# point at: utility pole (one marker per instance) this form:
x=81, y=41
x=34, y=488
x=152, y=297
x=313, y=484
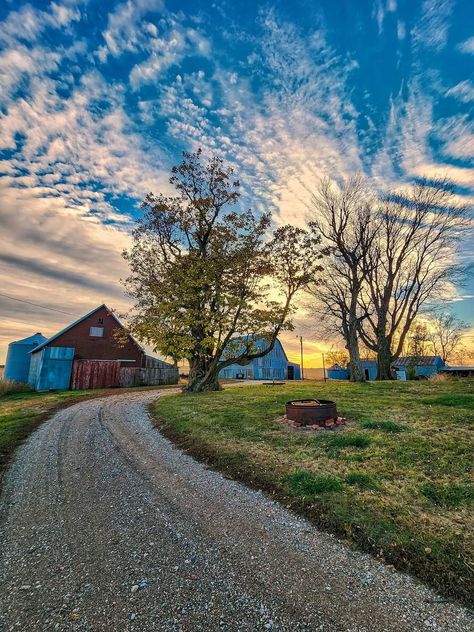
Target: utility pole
x=324, y=368
x=301, y=356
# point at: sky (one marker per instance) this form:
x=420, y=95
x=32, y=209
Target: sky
x=99, y=99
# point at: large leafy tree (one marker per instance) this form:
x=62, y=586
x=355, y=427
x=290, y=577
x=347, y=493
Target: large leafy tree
x=206, y=279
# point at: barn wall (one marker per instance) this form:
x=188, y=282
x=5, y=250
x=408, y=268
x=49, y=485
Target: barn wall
x=337, y=374
x=100, y=348
x=426, y=371
x=274, y=365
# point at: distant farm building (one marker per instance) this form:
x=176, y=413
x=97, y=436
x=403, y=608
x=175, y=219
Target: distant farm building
x=420, y=366
x=272, y=366
x=403, y=368
x=17, y=365
x=95, y=352
x=458, y=371
x=337, y=372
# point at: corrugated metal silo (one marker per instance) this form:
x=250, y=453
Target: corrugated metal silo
x=17, y=365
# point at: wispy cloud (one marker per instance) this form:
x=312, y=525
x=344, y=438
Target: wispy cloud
x=431, y=31
x=464, y=91
x=467, y=46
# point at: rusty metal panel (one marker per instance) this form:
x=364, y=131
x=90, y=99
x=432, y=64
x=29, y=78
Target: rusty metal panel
x=91, y=374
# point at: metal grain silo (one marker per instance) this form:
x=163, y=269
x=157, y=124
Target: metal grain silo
x=17, y=365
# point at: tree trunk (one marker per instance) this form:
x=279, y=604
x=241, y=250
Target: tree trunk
x=384, y=359
x=203, y=376
x=356, y=372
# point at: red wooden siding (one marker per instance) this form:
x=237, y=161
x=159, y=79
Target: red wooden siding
x=87, y=374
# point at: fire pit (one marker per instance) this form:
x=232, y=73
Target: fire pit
x=308, y=412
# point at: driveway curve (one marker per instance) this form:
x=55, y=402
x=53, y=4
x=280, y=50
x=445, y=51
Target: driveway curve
x=105, y=525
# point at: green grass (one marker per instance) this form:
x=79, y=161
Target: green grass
x=449, y=495
x=384, y=426
x=21, y=412
x=455, y=400
x=305, y=484
x=364, y=481
x=397, y=481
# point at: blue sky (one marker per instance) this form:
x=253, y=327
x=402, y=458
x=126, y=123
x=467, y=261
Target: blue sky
x=98, y=99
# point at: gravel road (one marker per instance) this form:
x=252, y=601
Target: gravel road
x=106, y=526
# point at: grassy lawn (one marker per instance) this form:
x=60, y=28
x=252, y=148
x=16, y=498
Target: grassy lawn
x=21, y=413
x=397, y=481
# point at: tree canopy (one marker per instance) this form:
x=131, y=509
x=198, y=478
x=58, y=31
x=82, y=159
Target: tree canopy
x=207, y=278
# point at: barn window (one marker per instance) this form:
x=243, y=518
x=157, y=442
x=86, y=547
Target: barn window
x=100, y=321
x=98, y=332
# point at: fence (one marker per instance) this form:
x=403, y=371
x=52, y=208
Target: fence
x=90, y=374
x=151, y=376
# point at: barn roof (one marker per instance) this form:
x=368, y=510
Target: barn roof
x=417, y=360
x=257, y=339
x=76, y=322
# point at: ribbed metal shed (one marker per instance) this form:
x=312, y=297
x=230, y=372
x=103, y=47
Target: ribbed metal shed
x=17, y=365
x=51, y=368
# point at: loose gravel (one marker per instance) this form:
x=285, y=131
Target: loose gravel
x=105, y=525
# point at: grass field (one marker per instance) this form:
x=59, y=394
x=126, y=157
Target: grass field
x=397, y=481
x=21, y=413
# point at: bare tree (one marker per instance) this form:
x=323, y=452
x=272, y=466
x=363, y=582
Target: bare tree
x=409, y=263
x=344, y=217
x=445, y=335
x=417, y=340
x=337, y=356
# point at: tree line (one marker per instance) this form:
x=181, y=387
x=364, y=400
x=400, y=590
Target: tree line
x=209, y=278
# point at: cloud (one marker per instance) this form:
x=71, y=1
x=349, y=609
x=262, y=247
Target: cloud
x=124, y=32
x=380, y=9
x=467, y=46
x=457, y=134
x=71, y=277
x=460, y=176
x=431, y=31
x=167, y=51
x=463, y=91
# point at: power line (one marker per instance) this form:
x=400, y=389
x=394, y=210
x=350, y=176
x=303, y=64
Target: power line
x=51, y=309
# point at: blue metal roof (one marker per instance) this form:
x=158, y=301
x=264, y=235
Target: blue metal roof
x=35, y=339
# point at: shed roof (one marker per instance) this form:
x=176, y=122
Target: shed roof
x=417, y=360
x=35, y=339
x=368, y=363
x=467, y=367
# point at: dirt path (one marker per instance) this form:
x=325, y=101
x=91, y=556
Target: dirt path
x=106, y=526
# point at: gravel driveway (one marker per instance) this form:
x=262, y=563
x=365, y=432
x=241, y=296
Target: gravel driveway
x=106, y=526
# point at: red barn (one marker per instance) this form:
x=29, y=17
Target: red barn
x=104, y=355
